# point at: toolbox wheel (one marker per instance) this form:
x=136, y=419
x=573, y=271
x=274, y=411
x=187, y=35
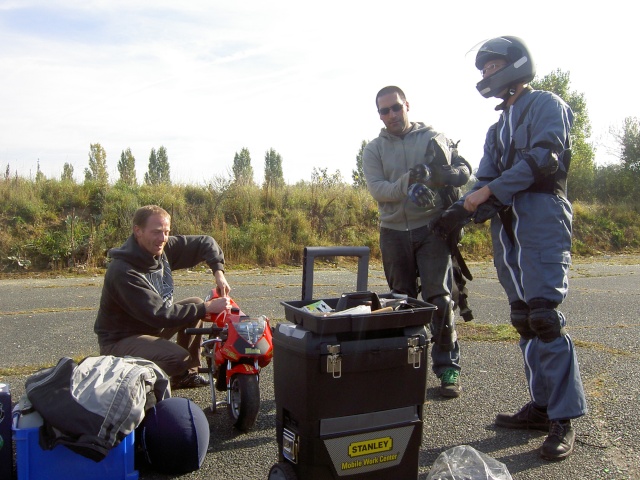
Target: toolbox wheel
x=282, y=471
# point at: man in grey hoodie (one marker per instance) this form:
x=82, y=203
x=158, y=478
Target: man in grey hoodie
x=138, y=316
x=409, y=168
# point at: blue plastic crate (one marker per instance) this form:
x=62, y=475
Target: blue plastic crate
x=63, y=464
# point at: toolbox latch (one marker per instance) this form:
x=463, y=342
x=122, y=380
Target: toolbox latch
x=415, y=351
x=334, y=361
x=290, y=445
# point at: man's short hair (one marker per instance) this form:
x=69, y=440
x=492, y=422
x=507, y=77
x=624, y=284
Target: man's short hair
x=143, y=213
x=388, y=90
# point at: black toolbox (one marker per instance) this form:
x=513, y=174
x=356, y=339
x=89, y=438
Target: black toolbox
x=349, y=391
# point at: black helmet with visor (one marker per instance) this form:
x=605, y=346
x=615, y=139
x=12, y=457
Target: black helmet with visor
x=519, y=69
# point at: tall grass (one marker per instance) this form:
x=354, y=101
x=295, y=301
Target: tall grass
x=53, y=224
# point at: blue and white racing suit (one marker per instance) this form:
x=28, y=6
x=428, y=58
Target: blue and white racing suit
x=525, y=164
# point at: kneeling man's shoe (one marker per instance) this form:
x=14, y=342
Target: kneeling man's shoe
x=188, y=380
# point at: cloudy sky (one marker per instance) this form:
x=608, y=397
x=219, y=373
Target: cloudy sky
x=205, y=79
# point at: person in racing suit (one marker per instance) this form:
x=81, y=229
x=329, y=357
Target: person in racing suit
x=522, y=178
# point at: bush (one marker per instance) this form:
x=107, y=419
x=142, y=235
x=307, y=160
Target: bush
x=56, y=224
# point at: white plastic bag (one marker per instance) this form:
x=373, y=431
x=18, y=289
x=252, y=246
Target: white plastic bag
x=466, y=463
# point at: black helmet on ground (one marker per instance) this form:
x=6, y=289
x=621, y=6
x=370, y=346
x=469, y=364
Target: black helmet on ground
x=520, y=67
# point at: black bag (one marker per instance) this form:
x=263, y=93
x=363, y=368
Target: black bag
x=446, y=154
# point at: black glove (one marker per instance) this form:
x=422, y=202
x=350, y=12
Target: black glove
x=421, y=195
x=456, y=174
x=488, y=210
x=419, y=174
x=452, y=221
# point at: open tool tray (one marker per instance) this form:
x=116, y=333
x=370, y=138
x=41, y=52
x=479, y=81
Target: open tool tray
x=415, y=313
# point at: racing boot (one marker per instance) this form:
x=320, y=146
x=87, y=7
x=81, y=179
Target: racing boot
x=559, y=443
x=529, y=417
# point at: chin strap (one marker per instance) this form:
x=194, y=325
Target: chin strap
x=510, y=93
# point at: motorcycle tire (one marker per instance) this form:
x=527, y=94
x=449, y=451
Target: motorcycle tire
x=244, y=401
x=282, y=471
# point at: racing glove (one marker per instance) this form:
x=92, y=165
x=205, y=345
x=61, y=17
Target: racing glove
x=419, y=174
x=488, y=209
x=452, y=220
x=422, y=195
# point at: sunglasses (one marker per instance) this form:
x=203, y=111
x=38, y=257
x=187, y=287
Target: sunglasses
x=396, y=108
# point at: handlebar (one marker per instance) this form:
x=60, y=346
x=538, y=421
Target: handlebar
x=204, y=331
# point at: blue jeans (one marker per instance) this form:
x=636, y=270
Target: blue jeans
x=407, y=255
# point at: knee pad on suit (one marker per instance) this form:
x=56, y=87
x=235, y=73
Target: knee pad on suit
x=520, y=319
x=545, y=320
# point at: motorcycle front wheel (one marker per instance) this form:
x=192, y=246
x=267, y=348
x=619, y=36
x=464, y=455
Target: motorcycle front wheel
x=244, y=401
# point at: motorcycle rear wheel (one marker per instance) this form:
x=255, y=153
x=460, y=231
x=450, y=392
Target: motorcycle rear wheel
x=244, y=401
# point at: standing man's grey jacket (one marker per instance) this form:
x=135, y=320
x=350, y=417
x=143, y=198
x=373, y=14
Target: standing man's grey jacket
x=386, y=163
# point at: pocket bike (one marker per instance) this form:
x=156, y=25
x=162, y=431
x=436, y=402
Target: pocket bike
x=236, y=347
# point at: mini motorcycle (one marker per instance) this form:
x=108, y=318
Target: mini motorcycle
x=236, y=347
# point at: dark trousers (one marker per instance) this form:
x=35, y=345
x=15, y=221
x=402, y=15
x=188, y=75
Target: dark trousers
x=175, y=358
x=409, y=254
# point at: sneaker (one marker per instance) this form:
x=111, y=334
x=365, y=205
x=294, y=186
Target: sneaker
x=449, y=383
x=528, y=417
x=559, y=443
x=188, y=380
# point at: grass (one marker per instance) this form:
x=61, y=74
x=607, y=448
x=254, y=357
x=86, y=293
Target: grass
x=64, y=227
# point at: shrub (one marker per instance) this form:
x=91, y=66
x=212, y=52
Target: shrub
x=53, y=224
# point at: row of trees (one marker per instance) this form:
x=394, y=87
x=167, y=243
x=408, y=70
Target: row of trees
x=243, y=171
x=158, y=172
x=587, y=181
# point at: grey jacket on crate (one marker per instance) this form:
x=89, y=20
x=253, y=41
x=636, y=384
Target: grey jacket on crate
x=92, y=406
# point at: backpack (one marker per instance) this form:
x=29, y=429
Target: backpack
x=442, y=151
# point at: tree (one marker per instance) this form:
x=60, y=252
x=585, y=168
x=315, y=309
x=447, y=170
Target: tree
x=242, y=169
x=358, y=174
x=163, y=166
x=620, y=181
x=158, y=168
x=97, y=170
x=629, y=142
x=127, y=168
x=39, y=175
x=321, y=178
x=6, y=173
x=582, y=172
x=273, y=177
x=67, y=173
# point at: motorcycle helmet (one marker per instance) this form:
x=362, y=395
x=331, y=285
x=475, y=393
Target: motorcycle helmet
x=174, y=436
x=520, y=67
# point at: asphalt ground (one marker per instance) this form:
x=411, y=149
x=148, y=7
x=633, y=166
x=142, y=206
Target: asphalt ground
x=43, y=319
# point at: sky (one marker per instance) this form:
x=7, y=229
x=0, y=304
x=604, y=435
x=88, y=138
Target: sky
x=205, y=79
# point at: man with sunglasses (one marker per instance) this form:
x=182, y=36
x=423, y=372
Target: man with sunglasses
x=407, y=169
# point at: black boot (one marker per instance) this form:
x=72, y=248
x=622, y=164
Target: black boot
x=559, y=443
x=529, y=417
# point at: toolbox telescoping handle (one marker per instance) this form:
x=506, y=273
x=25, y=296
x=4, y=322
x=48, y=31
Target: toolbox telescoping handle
x=310, y=254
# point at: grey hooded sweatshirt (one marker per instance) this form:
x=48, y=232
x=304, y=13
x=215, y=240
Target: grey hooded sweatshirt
x=386, y=162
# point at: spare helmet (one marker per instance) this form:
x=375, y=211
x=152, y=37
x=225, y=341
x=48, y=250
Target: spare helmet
x=174, y=436
x=520, y=67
